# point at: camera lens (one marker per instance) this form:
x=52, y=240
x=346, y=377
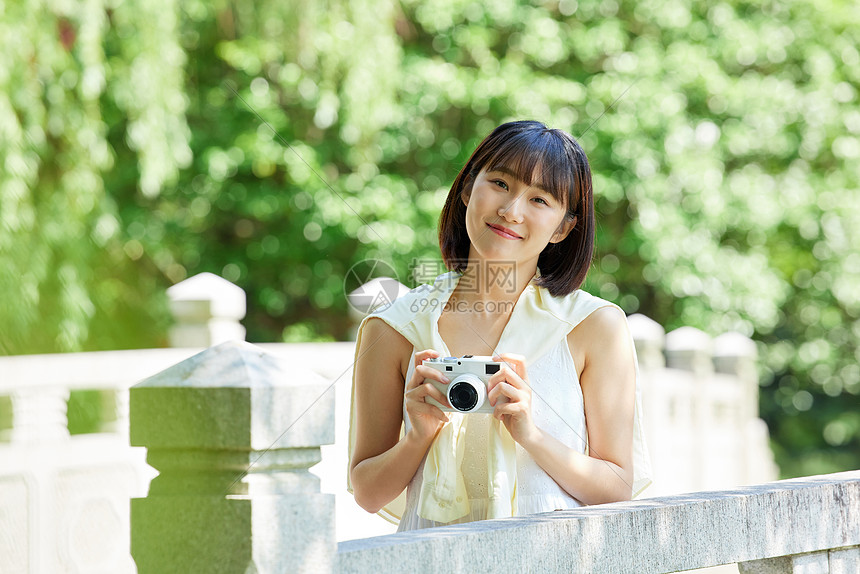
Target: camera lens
x=467, y=393
x=462, y=396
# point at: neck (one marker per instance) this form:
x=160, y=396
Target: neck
x=498, y=282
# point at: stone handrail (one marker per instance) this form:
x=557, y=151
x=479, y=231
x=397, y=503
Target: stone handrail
x=802, y=526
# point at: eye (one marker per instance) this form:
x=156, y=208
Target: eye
x=501, y=183
x=542, y=200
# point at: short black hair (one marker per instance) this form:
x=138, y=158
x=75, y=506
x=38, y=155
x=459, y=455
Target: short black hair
x=526, y=148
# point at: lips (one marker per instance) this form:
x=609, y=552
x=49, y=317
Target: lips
x=503, y=231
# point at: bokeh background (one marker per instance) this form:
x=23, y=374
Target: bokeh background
x=278, y=143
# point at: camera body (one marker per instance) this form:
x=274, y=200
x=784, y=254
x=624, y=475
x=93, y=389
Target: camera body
x=467, y=391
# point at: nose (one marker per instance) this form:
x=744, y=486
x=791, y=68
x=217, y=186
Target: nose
x=512, y=211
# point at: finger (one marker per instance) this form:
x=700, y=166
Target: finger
x=422, y=356
x=505, y=374
x=513, y=361
x=419, y=394
x=508, y=407
x=496, y=392
x=423, y=373
x=433, y=411
x=505, y=393
x=507, y=410
x=416, y=405
x=418, y=378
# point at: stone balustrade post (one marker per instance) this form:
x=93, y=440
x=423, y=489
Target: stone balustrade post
x=649, y=336
x=207, y=310
x=40, y=415
x=691, y=350
x=736, y=354
x=233, y=432
x=116, y=419
x=838, y=561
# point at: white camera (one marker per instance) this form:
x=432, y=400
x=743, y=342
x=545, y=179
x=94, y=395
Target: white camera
x=467, y=391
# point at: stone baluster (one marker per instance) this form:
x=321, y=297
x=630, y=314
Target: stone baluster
x=233, y=432
x=207, y=310
x=40, y=415
x=691, y=350
x=650, y=338
x=736, y=354
x=658, y=407
x=115, y=419
x=837, y=561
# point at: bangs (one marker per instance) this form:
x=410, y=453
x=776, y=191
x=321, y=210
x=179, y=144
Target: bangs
x=539, y=159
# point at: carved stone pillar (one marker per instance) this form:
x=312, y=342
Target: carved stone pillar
x=842, y=561
x=207, y=309
x=39, y=415
x=233, y=432
x=650, y=339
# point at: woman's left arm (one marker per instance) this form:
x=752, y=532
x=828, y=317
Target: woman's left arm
x=607, y=376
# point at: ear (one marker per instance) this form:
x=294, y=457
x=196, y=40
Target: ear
x=563, y=230
x=466, y=192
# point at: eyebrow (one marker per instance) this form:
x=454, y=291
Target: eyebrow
x=506, y=170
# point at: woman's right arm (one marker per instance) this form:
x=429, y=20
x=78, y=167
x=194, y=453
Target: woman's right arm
x=382, y=463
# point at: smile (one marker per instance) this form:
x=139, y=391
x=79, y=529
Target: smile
x=503, y=232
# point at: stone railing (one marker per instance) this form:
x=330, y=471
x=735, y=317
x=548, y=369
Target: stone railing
x=64, y=499
x=804, y=526
x=234, y=430
x=700, y=399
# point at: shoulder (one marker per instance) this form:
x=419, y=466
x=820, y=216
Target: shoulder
x=605, y=322
x=572, y=308
x=602, y=338
x=382, y=344
x=602, y=334
x=376, y=327
x=602, y=325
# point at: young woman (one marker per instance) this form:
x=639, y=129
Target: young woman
x=517, y=230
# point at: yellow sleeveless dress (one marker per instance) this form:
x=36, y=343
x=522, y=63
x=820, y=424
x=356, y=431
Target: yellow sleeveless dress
x=474, y=470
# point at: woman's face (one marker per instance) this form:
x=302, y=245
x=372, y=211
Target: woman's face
x=510, y=221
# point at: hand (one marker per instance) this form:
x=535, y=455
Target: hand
x=426, y=419
x=509, y=392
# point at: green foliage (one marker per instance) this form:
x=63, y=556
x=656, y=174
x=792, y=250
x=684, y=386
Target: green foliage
x=66, y=281
x=85, y=411
x=279, y=143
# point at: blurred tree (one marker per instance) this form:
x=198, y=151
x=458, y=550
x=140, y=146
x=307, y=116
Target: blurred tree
x=66, y=281
x=724, y=139
x=286, y=103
